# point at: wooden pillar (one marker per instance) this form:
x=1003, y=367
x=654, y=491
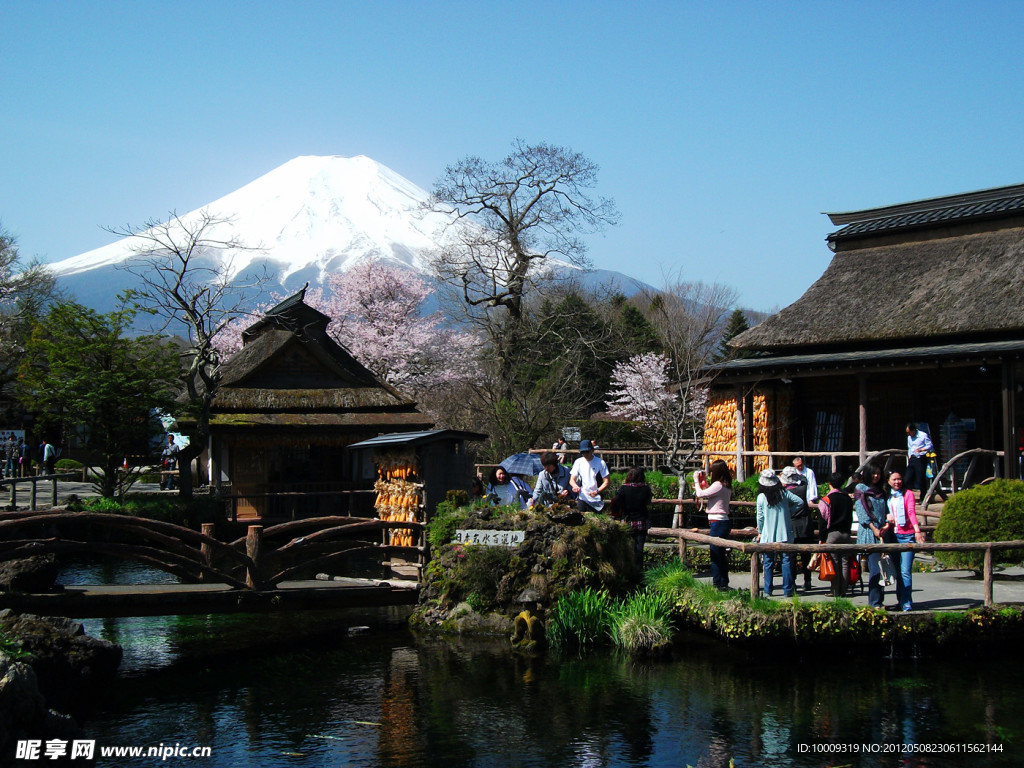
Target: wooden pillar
x=32, y=498
x=253, y=541
x=53, y=502
x=862, y=403
x=205, y=550
x=14, y=496
x=1009, y=420
x=755, y=566
x=740, y=475
x=988, y=576
x=748, y=434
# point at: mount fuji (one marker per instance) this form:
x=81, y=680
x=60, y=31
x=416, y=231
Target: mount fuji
x=302, y=221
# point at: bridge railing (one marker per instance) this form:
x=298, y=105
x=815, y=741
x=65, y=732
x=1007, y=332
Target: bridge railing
x=316, y=542
x=260, y=560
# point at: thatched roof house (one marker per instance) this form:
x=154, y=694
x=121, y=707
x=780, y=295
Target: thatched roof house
x=290, y=402
x=919, y=317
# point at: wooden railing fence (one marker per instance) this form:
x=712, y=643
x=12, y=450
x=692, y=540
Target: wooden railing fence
x=753, y=548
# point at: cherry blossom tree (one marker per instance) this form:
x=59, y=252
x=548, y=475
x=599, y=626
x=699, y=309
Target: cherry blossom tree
x=376, y=314
x=667, y=394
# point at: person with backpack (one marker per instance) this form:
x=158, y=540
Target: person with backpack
x=803, y=520
x=836, y=510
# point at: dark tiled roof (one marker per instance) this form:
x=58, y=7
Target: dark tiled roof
x=985, y=204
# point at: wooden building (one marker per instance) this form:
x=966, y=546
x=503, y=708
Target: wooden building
x=918, y=317
x=289, y=404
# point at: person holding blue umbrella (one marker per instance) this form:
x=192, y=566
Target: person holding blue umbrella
x=505, y=488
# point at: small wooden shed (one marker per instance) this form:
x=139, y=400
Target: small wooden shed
x=290, y=402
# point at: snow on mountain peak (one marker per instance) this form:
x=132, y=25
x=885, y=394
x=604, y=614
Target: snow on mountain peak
x=313, y=214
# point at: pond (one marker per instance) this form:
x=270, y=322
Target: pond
x=329, y=689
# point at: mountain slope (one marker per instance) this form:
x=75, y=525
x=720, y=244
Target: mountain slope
x=310, y=217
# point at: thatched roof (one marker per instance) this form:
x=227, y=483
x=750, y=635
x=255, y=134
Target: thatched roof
x=289, y=365
x=957, y=286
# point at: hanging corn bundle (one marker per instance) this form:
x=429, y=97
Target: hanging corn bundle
x=720, y=429
x=398, y=495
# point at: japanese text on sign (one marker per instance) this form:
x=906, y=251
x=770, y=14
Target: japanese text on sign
x=490, y=538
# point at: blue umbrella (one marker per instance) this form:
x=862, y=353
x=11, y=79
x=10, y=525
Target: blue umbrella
x=523, y=464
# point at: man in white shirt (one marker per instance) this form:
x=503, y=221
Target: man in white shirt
x=918, y=446
x=807, y=474
x=588, y=477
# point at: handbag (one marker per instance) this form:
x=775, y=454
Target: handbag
x=887, y=569
x=827, y=568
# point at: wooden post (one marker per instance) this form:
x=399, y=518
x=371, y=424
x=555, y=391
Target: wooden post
x=205, y=550
x=1009, y=420
x=755, y=568
x=253, y=540
x=740, y=475
x=862, y=398
x=14, y=496
x=988, y=576
x=32, y=498
x=53, y=503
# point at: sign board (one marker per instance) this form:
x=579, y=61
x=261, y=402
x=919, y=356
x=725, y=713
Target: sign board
x=571, y=434
x=490, y=538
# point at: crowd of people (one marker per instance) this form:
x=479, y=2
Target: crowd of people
x=18, y=457
x=580, y=486
x=789, y=509
x=885, y=512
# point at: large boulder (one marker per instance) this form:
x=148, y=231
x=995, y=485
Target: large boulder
x=29, y=574
x=481, y=589
x=67, y=663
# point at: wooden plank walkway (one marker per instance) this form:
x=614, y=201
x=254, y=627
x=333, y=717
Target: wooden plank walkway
x=95, y=601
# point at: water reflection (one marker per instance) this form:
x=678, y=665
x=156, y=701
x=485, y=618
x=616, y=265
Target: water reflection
x=299, y=690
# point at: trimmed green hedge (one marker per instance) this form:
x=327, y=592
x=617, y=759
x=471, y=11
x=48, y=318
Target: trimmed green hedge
x=992, y=512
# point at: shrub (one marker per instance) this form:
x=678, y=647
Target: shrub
x=992, y=512
x=68, y=464
x=447, y=518
x=582, y=617
x=662, y=486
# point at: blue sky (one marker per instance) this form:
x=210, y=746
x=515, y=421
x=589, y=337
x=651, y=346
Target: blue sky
x=723, y=129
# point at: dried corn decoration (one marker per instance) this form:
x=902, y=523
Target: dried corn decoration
x=760, y=429
x=398, y=495
x=720, y=429
x=769, y=424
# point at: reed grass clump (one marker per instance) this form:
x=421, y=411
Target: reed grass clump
x=582, y=617
x=643, y=624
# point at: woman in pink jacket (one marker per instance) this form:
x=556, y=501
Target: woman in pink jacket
x=902, y=515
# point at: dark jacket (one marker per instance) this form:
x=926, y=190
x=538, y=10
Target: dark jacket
x=841, y=508
x=634, y=501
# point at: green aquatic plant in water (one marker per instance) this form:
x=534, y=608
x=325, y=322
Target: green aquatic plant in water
x=582, y=617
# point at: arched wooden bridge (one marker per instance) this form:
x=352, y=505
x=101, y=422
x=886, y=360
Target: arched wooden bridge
x=255, y=572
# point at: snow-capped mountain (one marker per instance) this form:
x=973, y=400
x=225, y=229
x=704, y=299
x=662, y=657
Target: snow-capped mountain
x=308, y=218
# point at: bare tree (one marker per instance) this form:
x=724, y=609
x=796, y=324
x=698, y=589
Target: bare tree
x=513, y=216
x=184, y=268
x=667, y=393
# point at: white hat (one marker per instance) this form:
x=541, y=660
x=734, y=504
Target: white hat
x=791, y=475
x=768, y=478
